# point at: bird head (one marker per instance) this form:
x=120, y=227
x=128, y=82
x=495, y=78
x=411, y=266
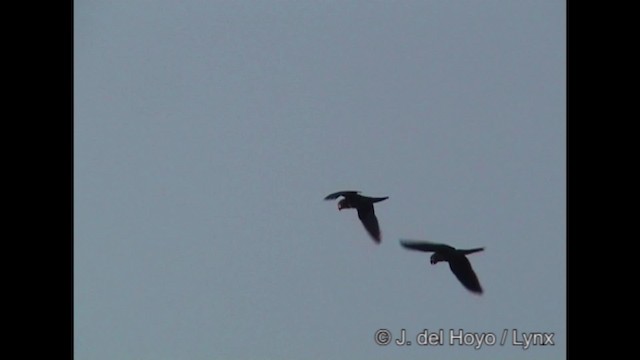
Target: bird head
x=343, y=204
x=436, y=258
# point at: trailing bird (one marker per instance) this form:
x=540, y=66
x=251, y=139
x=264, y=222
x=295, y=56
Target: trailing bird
x=364, y=206
x=458, y=262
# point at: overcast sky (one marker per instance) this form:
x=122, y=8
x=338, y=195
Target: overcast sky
x=207, y=134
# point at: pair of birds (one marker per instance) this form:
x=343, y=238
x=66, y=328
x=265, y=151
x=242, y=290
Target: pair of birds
x=456, y=258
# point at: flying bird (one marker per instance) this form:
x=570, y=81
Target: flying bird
x=456, y=258
x=364, y=205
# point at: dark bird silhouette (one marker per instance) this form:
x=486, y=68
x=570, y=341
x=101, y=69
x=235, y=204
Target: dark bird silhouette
x=364, y=205
x=457, y=260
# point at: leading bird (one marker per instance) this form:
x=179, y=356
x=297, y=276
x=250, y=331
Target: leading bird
x=364, y=205
x=458, y=262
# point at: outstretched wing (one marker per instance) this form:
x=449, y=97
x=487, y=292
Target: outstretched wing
x=368, y=217
x=461, y=267
x=425, y=246
x=335, y=195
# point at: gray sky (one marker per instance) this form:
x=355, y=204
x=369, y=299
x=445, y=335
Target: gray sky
x=208, y=132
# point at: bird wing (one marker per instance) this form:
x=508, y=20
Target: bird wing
x=368, y=217
x=372, y=200
x=462, y=269
x=335, y=195
x=425, y=245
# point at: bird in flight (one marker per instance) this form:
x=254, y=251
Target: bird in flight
x=364, y=205
x=458, y=262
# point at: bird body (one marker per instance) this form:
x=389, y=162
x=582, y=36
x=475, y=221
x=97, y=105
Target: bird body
x=458, y=262
x=364, y=206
